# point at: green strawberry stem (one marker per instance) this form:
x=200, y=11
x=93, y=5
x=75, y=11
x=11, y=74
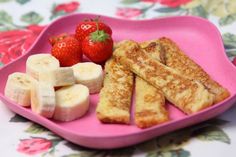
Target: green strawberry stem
x=99, y=36
x=97, y=19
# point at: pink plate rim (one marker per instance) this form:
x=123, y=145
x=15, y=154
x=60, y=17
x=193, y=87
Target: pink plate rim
x=213, y=108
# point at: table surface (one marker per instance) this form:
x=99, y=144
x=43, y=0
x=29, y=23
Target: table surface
x=22, y=20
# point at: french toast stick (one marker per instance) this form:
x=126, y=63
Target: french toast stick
x=150, y=105
x=115, y=96
x=188, y=95
x=176, y=59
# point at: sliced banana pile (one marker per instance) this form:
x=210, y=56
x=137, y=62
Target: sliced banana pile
x=37, y=88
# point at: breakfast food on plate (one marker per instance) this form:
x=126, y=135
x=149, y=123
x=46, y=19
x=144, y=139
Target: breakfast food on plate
x=149, y=101
x=43, y=100
x=90, y=75
x=188, y=95
x=176, y=59
x=85, y=28
x=149, y=105
x=72, y=102
x=98, y=46
x=69, y=102
x=18, y=88
x=160, y=68
x=62, y=76
x=40, y=62
x=56, y=38
x=115, y=96
x=67, y=51
x=154, y=50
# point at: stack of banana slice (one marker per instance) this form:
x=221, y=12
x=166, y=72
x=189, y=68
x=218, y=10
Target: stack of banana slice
x=37, y=87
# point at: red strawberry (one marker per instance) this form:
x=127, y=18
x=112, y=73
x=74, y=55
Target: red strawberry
x=67, y=51
x=98, y=46
x=234, y=61
x=83, y=29
x=54, y=39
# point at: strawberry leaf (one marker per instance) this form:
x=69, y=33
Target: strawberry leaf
x=99, y=35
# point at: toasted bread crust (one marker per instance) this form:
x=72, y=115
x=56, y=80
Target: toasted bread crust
x=190, y=96
x=115, y=96
x=150, y=105
x=176, y=59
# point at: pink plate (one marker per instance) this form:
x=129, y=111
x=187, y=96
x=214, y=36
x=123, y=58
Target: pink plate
x=196, y=36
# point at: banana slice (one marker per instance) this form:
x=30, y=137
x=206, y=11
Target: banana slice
x=43, y=100
x=90, y=75
x=72, y=102
x=58, y=77
x=18, y=88
x=40, y=62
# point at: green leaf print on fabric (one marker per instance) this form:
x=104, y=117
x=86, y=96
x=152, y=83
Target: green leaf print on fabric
x=64, y=8
x=167, y=10
x=199, y=11
x=31, y=18
x=58, y=14
x=148, y=146
x=129, y=1
x=35, y=129
x=230, y=44
x=3, y=1
x=231, y=52
x=169, y=145
x=22, y=1
x=87, y=152
x=72, y=155
x=6, y=22
x=5, y=17
x=1, y=64
x=212, y=133
x=227, y=20
x=172, y=153
x=17, y=118
x=229, y=40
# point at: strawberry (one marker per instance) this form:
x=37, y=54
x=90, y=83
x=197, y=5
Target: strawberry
x=54, y=39
x=83, y=29
x=67, y=51
x=98, y=46
x=234, y=61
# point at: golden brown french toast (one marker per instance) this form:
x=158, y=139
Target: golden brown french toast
x=176, y=59
x=115, y=96
x=149, y=105
x=188, y=95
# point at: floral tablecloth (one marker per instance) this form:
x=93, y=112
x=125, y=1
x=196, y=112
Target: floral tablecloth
x=21, y=21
